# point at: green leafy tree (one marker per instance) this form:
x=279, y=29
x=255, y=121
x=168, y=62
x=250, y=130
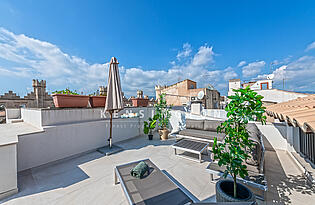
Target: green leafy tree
x=245, y=106
x=162, y=111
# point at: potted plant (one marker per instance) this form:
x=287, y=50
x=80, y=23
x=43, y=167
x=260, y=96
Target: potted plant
x=244, y=106
x=162, y=111
x=97, y=100
x=70, y=99
x=149, y=126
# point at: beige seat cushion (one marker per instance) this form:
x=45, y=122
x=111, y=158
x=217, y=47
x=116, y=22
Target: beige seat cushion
x=208, y=135
x=194, y=124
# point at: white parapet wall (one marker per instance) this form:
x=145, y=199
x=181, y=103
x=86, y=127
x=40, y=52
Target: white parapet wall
x=8, y=171
x=12, y=114
x=219, y=114
x=68, y=132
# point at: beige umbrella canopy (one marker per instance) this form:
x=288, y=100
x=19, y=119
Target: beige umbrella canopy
x=114, y=99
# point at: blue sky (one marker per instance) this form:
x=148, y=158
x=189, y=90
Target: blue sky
x=69, y=43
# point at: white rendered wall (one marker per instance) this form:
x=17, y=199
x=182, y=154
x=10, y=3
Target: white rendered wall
x=8, y=170
x=275, y=134
x=257, y=85
x=69, y=132
x=61, y=141
x=233, y=85
x=32, y=116
x=278, y=96
x=12, y=113
x=215, y=113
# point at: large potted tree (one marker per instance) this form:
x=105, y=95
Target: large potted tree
x=244, y=106
x=163, y=113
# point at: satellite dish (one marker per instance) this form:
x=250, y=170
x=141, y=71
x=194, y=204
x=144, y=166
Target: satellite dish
x=210, y=87
x=200, y=95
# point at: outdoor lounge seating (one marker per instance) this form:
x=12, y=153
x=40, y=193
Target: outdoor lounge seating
x=203, y=130
x=191, y=146
x=156, y=188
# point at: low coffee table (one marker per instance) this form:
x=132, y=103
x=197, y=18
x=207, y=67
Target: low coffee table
x=192, y=146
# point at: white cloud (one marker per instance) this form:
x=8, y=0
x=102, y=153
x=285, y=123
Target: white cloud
x=241, y=63
x=204, y=56
x=310, y=46
x=253, y=69
x=185, y=52
x=229, y=74
x=298, y=75
x=26, y=57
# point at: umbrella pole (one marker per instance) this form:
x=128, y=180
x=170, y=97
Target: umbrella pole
x=110, y=129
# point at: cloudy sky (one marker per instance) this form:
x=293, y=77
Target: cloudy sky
x=69, y=44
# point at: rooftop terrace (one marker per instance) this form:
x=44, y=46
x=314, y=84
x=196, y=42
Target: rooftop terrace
x=89, y=179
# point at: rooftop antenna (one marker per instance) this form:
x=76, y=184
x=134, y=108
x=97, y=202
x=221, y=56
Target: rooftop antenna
x=271, y=68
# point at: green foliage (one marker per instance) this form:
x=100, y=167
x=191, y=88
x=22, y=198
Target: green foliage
x=162, y=110
x=67, y=91
x=150, y=125
x=245, y=106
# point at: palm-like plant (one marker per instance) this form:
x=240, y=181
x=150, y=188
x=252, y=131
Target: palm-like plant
x=245, y=105
x=150, y=125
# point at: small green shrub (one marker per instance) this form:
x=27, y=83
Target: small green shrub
x=150, y=125
x=67, y=91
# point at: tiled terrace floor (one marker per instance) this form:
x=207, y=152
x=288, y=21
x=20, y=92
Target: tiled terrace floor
x=88, y=179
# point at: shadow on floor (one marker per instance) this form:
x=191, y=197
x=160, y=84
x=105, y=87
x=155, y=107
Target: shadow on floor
x=52, y=176
x=281, y=186
x=67, y=172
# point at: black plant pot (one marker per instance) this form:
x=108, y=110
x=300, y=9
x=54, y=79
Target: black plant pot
x=225, y=192
x=150, y=136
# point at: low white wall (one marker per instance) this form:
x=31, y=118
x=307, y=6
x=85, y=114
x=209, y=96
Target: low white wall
x=12, y=113
x=61, y=141
x=215, y=113
x=69, y=132
x=8, y=171
x=32, y=116
x=275, y=135
x=47, y=117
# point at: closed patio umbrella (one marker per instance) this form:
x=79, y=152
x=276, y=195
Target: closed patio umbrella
x=114, y=100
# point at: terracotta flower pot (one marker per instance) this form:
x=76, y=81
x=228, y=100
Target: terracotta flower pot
x=164, y=134
x=97, y=101
x=62, y=100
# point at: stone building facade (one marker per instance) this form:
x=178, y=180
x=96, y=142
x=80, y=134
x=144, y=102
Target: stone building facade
x=38, y=98
x=128, y=101
x=186, y=91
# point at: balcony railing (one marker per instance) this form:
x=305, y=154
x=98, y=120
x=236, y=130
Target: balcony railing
x=307, y=145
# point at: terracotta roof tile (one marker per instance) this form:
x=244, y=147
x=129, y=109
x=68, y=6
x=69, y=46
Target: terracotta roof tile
x=299, y=112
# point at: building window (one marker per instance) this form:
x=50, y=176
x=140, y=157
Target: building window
x=264, y=86
x=192, y=87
